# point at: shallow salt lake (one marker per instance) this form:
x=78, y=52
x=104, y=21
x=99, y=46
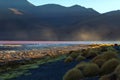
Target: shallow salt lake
x=29, y=45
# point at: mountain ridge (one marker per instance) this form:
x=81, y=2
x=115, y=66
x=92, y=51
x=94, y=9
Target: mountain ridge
x=53, y=22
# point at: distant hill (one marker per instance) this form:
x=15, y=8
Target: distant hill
x=21, y=20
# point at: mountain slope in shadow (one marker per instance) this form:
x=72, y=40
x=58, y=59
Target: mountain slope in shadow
x=21, y=20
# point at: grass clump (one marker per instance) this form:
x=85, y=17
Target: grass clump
x=111, y=76
x=73, y=74
x=91, y=70
x=81, y=66
x=68, y=59
x=105, y=77
x=80, y=58
x=101, y=59
x=84, y=52
x=117, y=70
x=74, y=55
x=109, y=55
x=109, y=66
x=88, y=69
x=99, y=62
x=92, y=53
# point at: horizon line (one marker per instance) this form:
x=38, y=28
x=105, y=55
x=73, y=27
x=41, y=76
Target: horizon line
x=73, y=6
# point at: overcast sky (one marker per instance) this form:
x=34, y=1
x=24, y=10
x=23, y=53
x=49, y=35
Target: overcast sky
x=99, y=5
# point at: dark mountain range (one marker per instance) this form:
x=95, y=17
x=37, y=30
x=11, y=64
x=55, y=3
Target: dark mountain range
x=21, y=20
